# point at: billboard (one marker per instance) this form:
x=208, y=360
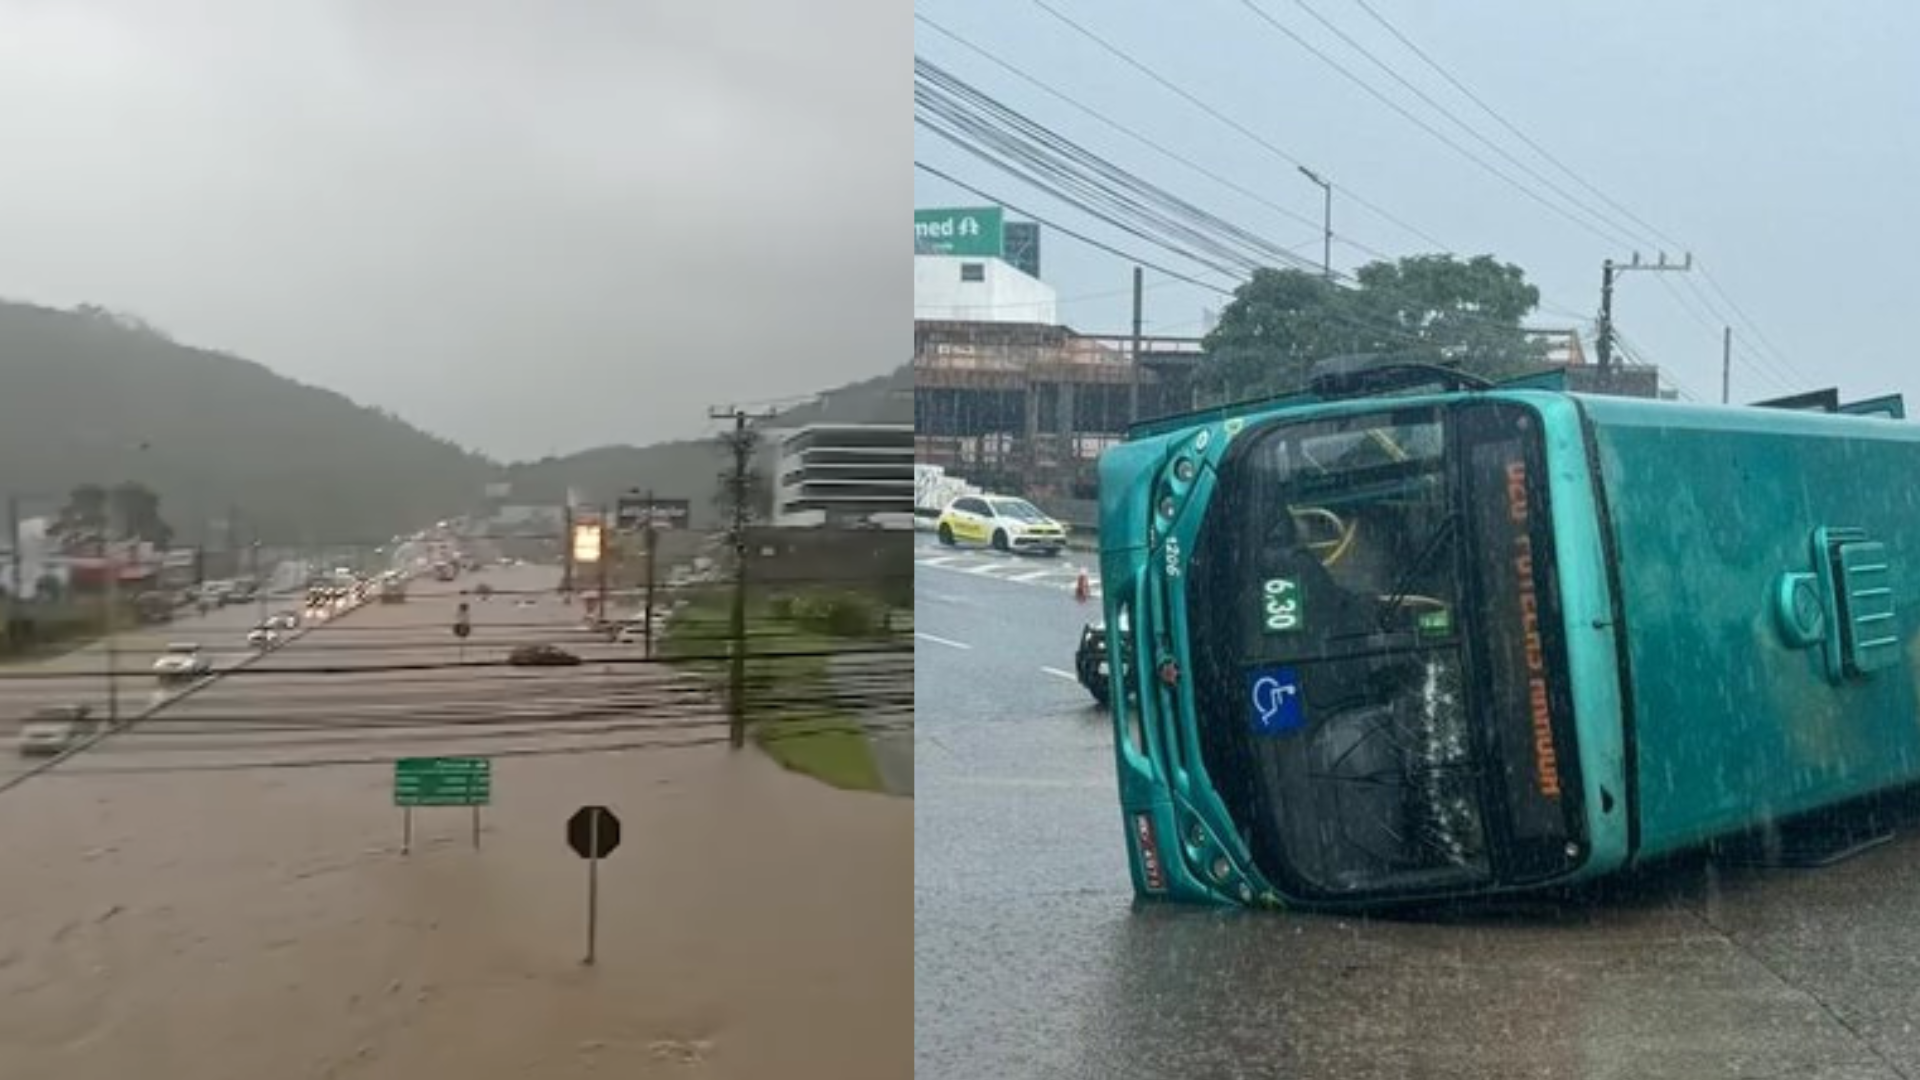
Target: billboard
x=977, y=231
x=587, y=543
x=1022, y=241
x=633, y=512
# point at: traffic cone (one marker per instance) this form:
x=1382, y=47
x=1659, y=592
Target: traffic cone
x=1082, y=591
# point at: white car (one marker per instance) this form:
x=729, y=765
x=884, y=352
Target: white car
x=182, y=660
x=52, y=730
x=1001, y=522
x=263, y=636
x=634, y=631
x=285, y=620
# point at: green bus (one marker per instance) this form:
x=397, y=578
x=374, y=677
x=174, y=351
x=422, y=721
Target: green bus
x=1409, y=636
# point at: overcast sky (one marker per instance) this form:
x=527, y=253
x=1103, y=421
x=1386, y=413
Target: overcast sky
x=1772, y=137
x=525, y=226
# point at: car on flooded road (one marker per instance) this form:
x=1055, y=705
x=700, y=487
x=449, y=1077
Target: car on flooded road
x=55, y=729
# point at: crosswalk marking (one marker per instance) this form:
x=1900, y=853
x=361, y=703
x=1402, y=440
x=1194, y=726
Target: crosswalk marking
x=1060, y=576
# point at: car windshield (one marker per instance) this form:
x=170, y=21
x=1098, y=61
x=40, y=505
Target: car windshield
x=1017, y=509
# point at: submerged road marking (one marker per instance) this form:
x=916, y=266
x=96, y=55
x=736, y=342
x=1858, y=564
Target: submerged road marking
x=1031, y=575
x=1067, y=675
x=937, y=640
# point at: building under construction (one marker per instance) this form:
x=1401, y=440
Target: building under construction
x=1029, y=407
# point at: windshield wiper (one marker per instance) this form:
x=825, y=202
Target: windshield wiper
x=1404, y=583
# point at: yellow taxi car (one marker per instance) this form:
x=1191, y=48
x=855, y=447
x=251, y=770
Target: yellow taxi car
x=1001, y=522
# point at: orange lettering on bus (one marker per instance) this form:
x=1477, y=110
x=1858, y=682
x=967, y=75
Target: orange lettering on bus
x=1546, y=757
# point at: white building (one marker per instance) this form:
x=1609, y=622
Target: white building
x=833, y=474
x=962, y=288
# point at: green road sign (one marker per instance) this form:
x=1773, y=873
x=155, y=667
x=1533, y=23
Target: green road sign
x=443, y=781
x=976, y=231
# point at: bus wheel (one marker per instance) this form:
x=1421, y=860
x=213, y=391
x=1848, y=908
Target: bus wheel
x=946, y=535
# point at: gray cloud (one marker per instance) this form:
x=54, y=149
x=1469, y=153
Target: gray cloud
x=527, y=226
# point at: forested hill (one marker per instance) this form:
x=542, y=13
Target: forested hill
x=91, y=397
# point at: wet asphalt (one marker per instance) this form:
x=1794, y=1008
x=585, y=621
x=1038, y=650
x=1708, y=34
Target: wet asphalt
x=1032, y=959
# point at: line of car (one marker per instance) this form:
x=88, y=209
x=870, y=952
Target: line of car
x=53, y=729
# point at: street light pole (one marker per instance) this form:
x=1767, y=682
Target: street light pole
x=113, y=612
x=1326, y=218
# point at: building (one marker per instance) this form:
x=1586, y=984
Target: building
x=958, y=288
x=843, y=474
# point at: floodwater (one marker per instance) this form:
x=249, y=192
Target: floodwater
x=259, y=923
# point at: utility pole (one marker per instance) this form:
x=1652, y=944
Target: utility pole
x=647, y=538
x=113, y=614
x=1608, y=271
x=14, y=558
x=741, y=442
x=606, y=521
x=1133, y=384
x=259, y=584
x=1726, y=364
x=566, y=548
x=1326, y=218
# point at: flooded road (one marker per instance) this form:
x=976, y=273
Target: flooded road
x=1031, y=960
x=166, y=914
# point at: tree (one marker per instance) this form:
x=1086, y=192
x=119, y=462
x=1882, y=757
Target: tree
x=1279, y=323
x=128, y=511
x=1465, y=311
x=1434, y=307
x=136, y=515
x=84, y=517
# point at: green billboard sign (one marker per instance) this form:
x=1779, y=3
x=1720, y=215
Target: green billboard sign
x=978, y=231
x=442, y=782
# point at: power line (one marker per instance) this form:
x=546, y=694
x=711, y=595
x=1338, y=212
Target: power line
x=1221, y=117
x=1652, y=231
x=1200, y=219
x=1511, y=129
x=1750, y=326
x=1436, y=133
x=1064, y=231
x=1158, y=148
x=504, y=752
x=1031, y=151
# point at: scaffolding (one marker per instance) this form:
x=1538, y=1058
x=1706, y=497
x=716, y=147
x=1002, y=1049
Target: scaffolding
x=1027, y=407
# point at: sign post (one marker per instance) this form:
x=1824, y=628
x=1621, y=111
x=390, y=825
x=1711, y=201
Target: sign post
x=593, y=833
x=462, y=626
x=445, y=781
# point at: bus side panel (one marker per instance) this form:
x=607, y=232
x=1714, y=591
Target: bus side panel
x=1732, y=726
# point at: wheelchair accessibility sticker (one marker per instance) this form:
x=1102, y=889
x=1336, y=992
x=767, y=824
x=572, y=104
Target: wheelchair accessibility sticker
x=1274, y=694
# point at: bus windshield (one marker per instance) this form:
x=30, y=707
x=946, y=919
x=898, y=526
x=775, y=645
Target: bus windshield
x=1369, y=645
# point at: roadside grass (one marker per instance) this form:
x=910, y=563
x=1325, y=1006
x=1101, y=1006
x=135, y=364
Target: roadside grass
x=788, y=688
x=37, y=632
